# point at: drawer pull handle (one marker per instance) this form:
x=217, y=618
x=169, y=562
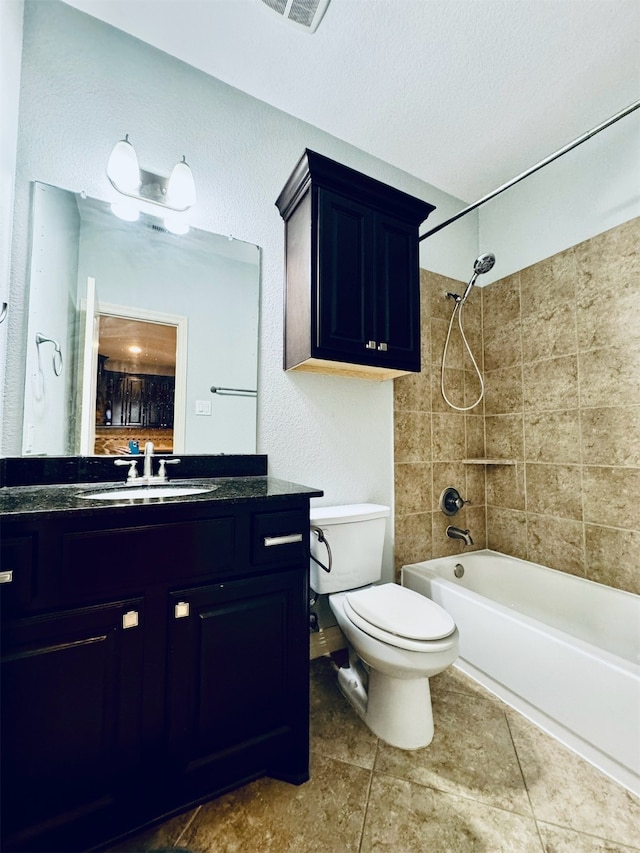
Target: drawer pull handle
x=6, y=577
x=181, y=610
x=282, y=540
x=130, y=619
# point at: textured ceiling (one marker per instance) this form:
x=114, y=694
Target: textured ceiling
x=464, y=94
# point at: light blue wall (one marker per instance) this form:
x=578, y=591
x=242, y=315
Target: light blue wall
x=585, y=192
x=84, y=85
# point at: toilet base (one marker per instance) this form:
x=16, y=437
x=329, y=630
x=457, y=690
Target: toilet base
x=397, y=710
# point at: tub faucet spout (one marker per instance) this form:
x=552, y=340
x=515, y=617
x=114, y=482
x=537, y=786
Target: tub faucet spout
x=457, y=533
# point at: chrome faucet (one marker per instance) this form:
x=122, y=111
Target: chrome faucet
x=147, y=470
x=457, y=533
x=148, y=477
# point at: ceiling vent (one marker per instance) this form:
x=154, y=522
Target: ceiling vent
x=304, y=14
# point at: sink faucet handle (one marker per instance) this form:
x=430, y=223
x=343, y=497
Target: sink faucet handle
x=133, y=471
x=162, y=471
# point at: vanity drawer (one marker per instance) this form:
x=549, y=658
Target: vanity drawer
x=16, y=572
x=97, y=561
x=280, y=538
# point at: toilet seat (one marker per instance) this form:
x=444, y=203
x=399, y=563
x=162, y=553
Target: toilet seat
x=400, y=617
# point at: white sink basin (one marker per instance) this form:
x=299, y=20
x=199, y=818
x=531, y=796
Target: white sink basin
x=138, y=492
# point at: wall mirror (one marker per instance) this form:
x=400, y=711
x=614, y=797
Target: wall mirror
x=130, y=328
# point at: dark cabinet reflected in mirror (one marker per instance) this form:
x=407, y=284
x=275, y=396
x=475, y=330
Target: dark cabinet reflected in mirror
x=135, y=385
x=100, y=286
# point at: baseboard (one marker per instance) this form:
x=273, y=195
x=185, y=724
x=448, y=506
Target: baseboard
x=325, y=641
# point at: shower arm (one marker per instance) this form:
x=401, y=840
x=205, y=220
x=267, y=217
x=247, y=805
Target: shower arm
x=564, y=150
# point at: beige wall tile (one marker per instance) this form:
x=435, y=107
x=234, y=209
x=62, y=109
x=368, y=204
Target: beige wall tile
x=501, y=302
x=549, y=284
x=552, y=436
x=503, y=346
x=503, y=391
x=554, y=490
x=412, y=436
x=611, y=435
x=448, y=436
x=412, y=538
x=413, y=488
x=556, y=543
x=507, y=531
x=412, y=392
x=611, y=496
x=505, y=486
x=504, y=436
x=569, y=406
x=611, y=557
x=551, y=384
x=608, y=261
x=474, y=426
x=475, y=485
x=550, y=333
x=610, y=376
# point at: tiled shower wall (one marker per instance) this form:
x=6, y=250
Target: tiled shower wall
x=560, y=346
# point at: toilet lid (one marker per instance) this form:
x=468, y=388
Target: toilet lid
x=402, y=612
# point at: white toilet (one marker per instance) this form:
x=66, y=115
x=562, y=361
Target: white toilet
x=397, y=638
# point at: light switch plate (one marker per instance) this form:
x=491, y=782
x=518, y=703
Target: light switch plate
x=203, y=407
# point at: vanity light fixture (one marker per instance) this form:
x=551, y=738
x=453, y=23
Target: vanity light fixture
x=174, y=195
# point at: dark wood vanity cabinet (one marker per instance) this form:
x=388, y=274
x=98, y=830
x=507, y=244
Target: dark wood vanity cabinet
x=352, y=272
x=150, y=661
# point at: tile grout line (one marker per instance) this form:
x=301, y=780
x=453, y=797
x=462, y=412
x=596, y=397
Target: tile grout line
x=524, y=782
x=366, y=804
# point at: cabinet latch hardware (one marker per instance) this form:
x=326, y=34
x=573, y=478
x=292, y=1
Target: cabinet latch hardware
x=6, y=577
x=282, y=540
x=382, y=347
x=130, y=619
x=181, y=610
x=370, y=345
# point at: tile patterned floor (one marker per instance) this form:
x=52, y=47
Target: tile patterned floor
x=490, y=782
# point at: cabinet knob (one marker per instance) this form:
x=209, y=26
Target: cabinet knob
x=6, y=577
x=130, y=619
x=382, y=347
x=370, y=345
x=181, y=610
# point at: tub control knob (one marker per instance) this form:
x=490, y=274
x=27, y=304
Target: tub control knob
x=451, y=502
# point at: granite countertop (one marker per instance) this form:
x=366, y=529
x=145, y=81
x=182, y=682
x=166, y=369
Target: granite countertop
x=47, y=499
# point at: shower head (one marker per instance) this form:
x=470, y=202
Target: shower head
x=482, y=264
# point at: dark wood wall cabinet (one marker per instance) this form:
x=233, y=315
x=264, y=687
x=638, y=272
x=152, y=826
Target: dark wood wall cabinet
x=352, y=293
x=152, y=657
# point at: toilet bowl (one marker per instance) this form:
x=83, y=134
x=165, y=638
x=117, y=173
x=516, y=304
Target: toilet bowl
x=387, y=680
x=397, y=639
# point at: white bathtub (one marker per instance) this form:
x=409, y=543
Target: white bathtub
x=562, y=650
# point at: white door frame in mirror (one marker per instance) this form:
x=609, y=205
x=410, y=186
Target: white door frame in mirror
x=94, y=310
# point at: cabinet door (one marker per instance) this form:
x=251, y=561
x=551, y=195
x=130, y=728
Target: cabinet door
x=238, y=680
x=71, y=691
x=343, y=321
x=397, y=293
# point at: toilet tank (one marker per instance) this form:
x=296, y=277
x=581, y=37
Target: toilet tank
x=355, y=534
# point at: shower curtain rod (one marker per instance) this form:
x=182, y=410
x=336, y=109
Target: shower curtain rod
x=571, y=145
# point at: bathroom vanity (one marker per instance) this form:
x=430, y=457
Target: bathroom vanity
x=154, y=653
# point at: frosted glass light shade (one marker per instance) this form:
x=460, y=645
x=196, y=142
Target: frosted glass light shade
x=181, y=190
x=123, y=169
